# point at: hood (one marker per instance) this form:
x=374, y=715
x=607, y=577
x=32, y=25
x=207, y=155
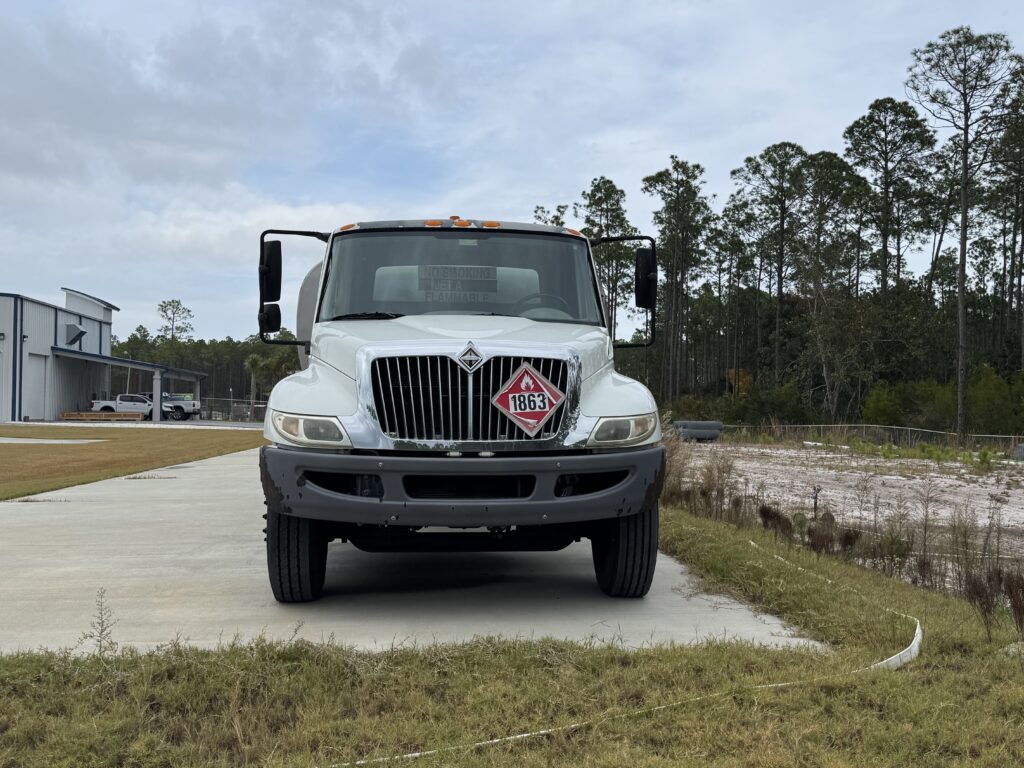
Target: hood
x=337, y=343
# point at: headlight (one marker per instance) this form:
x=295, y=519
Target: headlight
x=623, y=430
x=310, y=430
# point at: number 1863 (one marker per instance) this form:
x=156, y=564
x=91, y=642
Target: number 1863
x=527, y=402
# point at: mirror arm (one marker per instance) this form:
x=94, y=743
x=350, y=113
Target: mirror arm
x=322, y=237
x=284, y=342
x=622, y=239
x=651, y=321
x=651, y=330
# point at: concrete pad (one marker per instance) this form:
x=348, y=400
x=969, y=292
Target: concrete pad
x=180, y=553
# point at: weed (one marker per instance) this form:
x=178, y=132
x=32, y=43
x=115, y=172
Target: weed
x=773, y=520
x=982, y=591
x=800, y=526
x=1013, y=588
x=101, y=628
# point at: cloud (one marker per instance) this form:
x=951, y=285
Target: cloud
x=143, y=147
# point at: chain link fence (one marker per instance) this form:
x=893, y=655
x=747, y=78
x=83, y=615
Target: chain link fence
x=228, y=409
x=839, y=434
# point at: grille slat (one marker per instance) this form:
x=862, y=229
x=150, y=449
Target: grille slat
x=414, y=403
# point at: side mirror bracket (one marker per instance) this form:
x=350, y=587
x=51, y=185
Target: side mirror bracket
x=270, y=269
x=645, y=283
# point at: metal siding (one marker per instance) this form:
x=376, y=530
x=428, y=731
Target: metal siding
x=37, y=325
x=6, y=357
x=74, y=383
x=19, y=355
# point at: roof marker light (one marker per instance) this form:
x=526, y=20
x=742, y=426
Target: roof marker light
x=454, y=218
x=461, y=223
x=490, y=224
x=432, y=223
x=573, y=232
x=346, y=227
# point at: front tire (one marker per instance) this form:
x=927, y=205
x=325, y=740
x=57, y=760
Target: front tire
x=625, y=551
x=296, y=558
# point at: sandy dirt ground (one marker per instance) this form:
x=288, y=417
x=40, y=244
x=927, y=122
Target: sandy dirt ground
x=850, y=482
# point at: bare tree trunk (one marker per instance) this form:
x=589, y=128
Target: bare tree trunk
x=961, y=295
x=884, y=266
x=779, y=269
x=938, y=247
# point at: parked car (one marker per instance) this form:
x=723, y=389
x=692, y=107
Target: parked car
x=178, y=406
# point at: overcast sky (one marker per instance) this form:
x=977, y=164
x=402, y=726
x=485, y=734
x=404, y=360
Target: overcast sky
x=144, y=146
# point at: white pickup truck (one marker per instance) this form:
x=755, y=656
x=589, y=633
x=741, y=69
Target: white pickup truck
x=130, y=404
x=459, y=394
x=178, y=406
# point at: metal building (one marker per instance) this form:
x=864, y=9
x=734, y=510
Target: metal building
x=56, y=359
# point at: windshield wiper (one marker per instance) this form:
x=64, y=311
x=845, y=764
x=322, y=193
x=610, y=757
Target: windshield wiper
x=368, y=316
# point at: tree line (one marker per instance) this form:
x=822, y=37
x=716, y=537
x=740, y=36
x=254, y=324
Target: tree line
x=241, y=369
x=794, y=300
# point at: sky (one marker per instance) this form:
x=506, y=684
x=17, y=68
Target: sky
x=144, y=146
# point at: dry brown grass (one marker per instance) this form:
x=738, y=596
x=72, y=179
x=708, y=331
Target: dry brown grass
x=28, y=469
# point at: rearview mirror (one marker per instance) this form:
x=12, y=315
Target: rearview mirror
x=270, y=272
x=645, y=279
x=269, y=318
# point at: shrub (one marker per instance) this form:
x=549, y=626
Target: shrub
x=882, y=407
x=989, y=404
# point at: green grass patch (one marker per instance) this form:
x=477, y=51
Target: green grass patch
x=300, y=704
x=26, y=468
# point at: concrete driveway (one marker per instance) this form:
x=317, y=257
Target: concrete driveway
x=180, y=553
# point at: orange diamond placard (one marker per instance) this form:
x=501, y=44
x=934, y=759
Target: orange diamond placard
x=528, y=399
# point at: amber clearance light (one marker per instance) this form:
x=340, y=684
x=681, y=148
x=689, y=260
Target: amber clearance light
x=461, y=223
x=346, y=227
x=490, y=224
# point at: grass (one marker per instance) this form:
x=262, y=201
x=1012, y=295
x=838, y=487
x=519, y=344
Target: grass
x=300, y=704
x=28, y=469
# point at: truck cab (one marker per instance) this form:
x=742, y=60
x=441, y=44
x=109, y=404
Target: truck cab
x=458, y=393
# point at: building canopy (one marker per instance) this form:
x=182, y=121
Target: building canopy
x=182, y=374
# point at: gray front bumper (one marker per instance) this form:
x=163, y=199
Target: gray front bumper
x=287, y=488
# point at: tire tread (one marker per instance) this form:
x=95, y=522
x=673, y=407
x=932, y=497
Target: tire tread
x=625, y=553
x=296, y=558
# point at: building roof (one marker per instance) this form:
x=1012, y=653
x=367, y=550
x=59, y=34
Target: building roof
x=124, y=362
x=41, y=303
x=84, y=295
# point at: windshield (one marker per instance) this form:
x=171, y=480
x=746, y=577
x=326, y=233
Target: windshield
x=377, y=275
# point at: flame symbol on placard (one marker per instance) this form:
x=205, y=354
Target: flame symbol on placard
x=527, y=382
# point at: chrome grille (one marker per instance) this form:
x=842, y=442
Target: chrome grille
x=431, y=397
